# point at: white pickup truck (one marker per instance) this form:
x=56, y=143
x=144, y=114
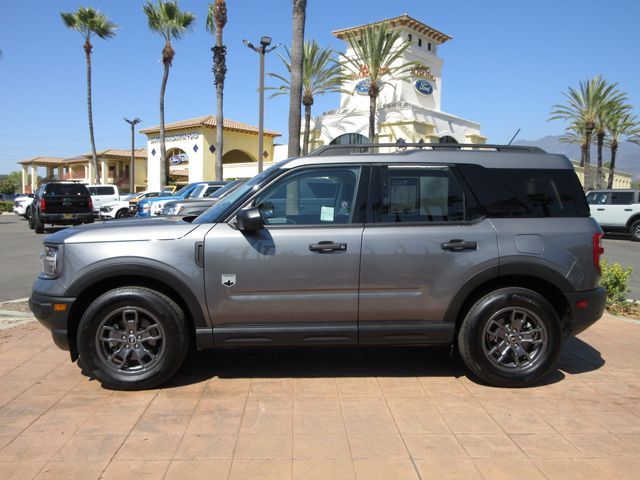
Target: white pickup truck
x=616, y=210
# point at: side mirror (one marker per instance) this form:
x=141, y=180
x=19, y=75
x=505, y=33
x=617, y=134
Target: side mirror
x=250, y=220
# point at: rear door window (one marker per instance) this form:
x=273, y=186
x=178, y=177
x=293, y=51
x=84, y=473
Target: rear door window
x=419, y=193
x=621, y=198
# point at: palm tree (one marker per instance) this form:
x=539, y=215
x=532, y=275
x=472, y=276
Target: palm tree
x=608, y=107
x=375, y=53
x=320, y=74
x=621, y=126
x=216, y=20
x=584, y=105
x=171, y=23
x=297, y=54
x=576, y=134
x=89, y=22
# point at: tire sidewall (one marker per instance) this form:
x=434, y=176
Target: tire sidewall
x=473, y=338
x=167, y=314
x=635, y=236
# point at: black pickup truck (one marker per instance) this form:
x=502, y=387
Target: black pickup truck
x=60, y=204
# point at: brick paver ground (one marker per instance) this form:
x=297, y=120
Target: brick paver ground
x=324, y=413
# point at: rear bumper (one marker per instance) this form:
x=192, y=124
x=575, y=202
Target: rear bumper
x=592, y=304
x=66, y=218
x=54, y=320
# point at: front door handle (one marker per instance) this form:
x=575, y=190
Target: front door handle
x=458, y=245
x=628, y=209
x=600, y=209
x=327, y=246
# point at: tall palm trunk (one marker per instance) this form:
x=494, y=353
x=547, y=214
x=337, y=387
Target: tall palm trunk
x=307, y=101
x=297, y=56
x=587, y=158
x=583, y=152
x=372, y=116
x=599, y=172
x=87, y=51
x=612, y=163
x=167, y=57
x=219, y=70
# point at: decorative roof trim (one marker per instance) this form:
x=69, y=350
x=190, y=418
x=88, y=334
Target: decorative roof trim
x=403, y=20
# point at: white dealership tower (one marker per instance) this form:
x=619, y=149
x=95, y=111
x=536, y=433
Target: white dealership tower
x=407, y=109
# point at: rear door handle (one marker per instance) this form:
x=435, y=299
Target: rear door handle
x=458, y=245
x=628, y=209
x=327, y=246
x=600, y=209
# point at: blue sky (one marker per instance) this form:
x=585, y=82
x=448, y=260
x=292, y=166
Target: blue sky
x=506, y=66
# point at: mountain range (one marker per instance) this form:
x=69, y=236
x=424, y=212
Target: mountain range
x=627, y=157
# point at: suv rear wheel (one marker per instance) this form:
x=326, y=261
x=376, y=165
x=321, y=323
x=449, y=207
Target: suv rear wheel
x=38, y=226
x=133, y=338
x=510, y=337
x=635, y=231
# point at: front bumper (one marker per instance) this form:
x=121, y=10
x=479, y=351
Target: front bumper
x=53, y=319
x=586, y=308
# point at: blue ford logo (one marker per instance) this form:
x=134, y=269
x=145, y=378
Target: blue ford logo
x=362, y=87
x=178, y=159
x=424, y=87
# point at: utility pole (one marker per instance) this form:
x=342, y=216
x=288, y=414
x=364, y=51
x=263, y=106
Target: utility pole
x=132, y=168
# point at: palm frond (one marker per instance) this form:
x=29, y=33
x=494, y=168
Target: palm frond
x=166, y=18
x=88, y=22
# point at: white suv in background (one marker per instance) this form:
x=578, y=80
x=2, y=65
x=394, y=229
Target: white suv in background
x=21, y=203
x=102, y=194
x=616, y=210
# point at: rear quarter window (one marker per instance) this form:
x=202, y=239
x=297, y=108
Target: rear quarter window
x=527, y=193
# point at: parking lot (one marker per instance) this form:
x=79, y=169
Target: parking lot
x=325, y=413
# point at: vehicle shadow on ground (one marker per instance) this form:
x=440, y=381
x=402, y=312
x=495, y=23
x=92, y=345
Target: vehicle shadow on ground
x=343, y=362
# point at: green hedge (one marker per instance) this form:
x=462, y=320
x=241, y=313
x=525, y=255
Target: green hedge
x=6, y=206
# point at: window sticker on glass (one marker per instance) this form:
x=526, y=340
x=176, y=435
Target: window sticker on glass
x=403, y=195
x=326, y=214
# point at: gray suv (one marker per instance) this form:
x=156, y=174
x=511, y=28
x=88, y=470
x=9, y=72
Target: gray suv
x=489, y=249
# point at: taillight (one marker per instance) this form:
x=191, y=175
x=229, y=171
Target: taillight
x=43, y=204
x=90, y=203
x=598, y=249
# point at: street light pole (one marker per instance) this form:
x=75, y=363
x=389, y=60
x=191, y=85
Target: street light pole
x=132, y=168
x=261, y=50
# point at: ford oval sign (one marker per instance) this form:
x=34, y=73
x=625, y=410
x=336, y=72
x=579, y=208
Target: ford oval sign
x=362, y=87
x=178, y=159
x=424, y=87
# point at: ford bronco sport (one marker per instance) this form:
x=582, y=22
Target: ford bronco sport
x=489, y=249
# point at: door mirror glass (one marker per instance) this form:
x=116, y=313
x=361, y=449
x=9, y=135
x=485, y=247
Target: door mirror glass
x=250, y=220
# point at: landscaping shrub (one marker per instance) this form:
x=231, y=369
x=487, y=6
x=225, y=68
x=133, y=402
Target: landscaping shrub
x=6, y=206
x=615, y=279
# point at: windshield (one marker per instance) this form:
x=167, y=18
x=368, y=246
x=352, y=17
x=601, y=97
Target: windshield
x=179, y=192
x=217, y=212
x=196, y=191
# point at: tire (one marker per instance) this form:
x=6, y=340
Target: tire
x=635, y=231
x=30, y=219
x=38, y=226
x=122, y=213
x=503, y=356
x=145, y=312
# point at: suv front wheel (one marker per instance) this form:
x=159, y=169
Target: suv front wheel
x=133, y=338
x=510, y=337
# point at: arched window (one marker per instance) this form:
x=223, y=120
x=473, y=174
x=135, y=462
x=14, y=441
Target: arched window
x=350, y=139
x=447, y=139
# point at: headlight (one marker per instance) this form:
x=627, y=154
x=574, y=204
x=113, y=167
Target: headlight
x=51, y=265
x=174, y=210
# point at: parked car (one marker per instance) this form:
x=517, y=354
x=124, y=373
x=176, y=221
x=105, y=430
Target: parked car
x=488, y=249
x=616, y=210
x=196, y=206
x=21, y=203
x=134, y=199
x=150, y=207
x=60, y=203
x=101, y=194
x=110, y=211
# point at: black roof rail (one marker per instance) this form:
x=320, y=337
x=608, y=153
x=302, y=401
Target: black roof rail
x=349, y=149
